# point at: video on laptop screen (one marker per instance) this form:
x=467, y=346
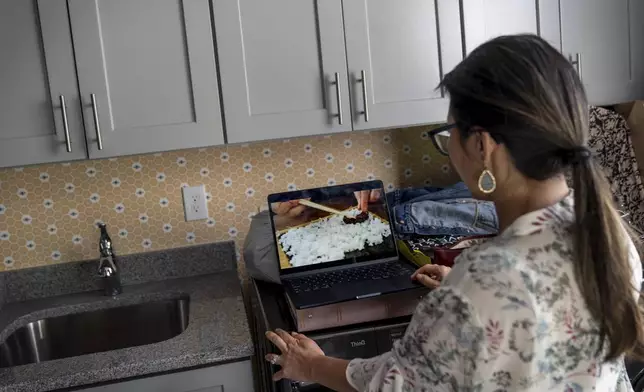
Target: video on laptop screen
x=339, y=224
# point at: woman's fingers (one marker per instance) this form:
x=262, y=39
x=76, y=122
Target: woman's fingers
x=358, y=196
x=297, y=354
x=277, y=341
x=280, y=208
x=278, y=376
x=281, y=339
x=295, y=208
x=430, y=275
x=427, y=281
x=430, y=269
x=285, y=336
x=296, y=211
x=427, y=269
x=364, y=201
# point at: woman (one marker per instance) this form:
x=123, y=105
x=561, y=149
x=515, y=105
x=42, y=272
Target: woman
x=549, y=304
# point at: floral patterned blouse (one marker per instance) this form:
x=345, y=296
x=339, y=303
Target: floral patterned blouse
x=508, y=317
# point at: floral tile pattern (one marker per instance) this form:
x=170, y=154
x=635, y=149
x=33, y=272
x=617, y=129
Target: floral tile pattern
x=49, y=213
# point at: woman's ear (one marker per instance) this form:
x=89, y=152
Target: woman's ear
x=480, y=145
x=485, y=145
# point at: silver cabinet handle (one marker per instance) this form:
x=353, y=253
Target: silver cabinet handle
x=338, y=96
x=97, y=125
x=363, y=80
x=63, y=108
x=577, y=63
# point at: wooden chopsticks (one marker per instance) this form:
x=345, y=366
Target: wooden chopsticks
x=317, y=206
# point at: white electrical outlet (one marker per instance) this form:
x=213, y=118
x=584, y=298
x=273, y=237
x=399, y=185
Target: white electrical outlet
x=194, y=203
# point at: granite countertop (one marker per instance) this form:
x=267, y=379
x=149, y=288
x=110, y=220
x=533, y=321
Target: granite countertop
x=217, y=332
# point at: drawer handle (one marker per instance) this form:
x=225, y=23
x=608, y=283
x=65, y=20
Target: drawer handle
x=577, y=63
x=63, y=108
x=97, y=125
x=363, y=80
x=338, y=97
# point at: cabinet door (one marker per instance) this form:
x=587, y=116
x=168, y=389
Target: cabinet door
x=36, y=70
x=396, y=46
x=486, y=19
x=606, y=39
x=150, y=66
x=230, y=377
x=278, y=61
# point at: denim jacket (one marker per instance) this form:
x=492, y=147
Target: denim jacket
x=441, y=211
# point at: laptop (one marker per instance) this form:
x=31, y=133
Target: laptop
x=336, y=244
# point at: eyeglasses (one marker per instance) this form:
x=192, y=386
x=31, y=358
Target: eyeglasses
x=440, y=137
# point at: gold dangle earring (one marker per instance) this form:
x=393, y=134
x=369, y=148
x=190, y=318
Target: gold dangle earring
x=487, y=182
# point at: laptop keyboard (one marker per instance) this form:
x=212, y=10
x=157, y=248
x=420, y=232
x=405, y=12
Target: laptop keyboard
x=325, y=280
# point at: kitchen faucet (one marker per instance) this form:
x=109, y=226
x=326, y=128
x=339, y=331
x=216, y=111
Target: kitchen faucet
x=107, y=268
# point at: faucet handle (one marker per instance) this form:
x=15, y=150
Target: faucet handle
x=106, y=267
x=106, y=272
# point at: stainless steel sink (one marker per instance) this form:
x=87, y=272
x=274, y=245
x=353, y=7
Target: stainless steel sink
x=96, y=331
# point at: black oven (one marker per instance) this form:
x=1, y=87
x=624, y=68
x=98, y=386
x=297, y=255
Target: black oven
x=349, y=344
x=270, y=311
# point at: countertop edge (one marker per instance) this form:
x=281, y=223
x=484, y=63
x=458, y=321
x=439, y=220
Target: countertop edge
x=195, y=349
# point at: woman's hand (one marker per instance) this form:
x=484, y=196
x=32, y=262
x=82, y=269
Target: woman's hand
x=366, y=197
x=298, y=353
x=431, y=275
x=291, y=208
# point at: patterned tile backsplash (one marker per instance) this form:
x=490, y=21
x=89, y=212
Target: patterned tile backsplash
x=48, y=213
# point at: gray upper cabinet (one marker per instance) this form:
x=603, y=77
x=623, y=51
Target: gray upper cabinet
x=486, y=19
x=147, y=75
x=36, y=75
x=279, y=63
x=397, y=53
x=604, y=40
x=102, y=78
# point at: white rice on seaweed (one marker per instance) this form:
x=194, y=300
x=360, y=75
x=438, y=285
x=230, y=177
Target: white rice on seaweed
x=329, y=239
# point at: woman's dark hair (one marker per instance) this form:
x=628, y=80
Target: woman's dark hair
x=529, y=98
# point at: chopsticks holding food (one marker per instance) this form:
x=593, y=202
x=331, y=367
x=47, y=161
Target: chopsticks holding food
x=349, y=218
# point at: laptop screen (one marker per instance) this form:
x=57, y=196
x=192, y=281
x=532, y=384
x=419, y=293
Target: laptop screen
x=331, y=226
